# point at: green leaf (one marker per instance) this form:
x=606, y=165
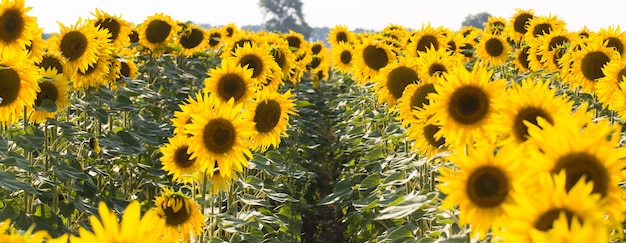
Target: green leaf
x=370, y=181
x=9, y=182
x=254, y=201
x=47, y=105
x=413, y=202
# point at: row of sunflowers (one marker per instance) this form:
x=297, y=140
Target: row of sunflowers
x=521, y=118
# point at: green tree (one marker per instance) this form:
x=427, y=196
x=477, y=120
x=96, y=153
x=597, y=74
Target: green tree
x=476, y=20
x=285, y=15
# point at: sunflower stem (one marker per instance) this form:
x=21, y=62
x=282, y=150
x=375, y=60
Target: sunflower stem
x=203, y=204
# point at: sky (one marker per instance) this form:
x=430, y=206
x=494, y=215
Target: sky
x=366, y=14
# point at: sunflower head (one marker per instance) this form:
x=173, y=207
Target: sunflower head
x=53, y=87
x=17, y=28
x=18, y=88
x=518, y=23
x=370, y=57
x=230, y=80
x=118, y=28
x=157, y=31
x=181, y=213
x=393, y=79
x=192, y=39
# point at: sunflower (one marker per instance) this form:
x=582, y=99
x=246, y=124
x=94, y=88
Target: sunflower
x=17, y=28
x=53, y=87
x=495, y=25
x=215, y=36
x=297, y=44
x=493, y=49
x=18, y=88
x=588, y=63
x=521, y=61
x=392, y=80
x=217, y=182
x=527, y=101
x=220, y=135
x=552, y=47
x=593, y=153
x=95, y=75
x=124, y=67
x=230, y=30
x=133, y=227
x=176, y=159
x=79, y=44
x=271, y=111
x=553, y=211
x=464, y=105
x=230, y=80
x=607, y=86
x=370, y=57
x=258, y=58
x=118, y=28
x=434, y=63
x=192, y=39
x=191, y=106
x=425, y=38
x=183, y=216
x=157, y=32
x=518, y=23
x=540, y=25
x=284, y=58
x=342, y=57
x=414, y=99
x=453, y=44
x=340, y=34
x=52, y=60
x=482, y=186
x=614, y=38
x=535, y=56
x=36, y=46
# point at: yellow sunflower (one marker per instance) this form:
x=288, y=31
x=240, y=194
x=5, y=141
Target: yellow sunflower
x=18, y=88
x=192, y=39
x=370, y=57
x=215, y=36
x=552, y=211
x=230, y=30
x=541, y=24
x=220, y=135
x=495, y=25
x=133, y=227
x=392, y=80
x=17, y=28
x=493, y=49
x=258, y=58
x=36, y=46
x=524, y=103
x=271, y=117
x=230, y=80
x=464, y=105
x=453, y=44
x=423, y=39
x=521, y=61
x=607, y=86
x=518, y=23
x=482, y=186
x=414, y=99
x=96, y=74
x=183, y=216
x=342, y=56
x=552, y=47
x=297, y=44
x=614, y=38
x=118, y=28
x=157, y=32
x=340, y=34
x=52, y=60
x=123, y=68
x=592, y=153
x=588, y=63
x=191, y=106
x=217, y=182
x=79, y=44
x=53, y=87
x=176, y=159
x=434, y=63
x=284, y=58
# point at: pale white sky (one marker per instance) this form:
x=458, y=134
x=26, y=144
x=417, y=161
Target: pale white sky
x=367, y=14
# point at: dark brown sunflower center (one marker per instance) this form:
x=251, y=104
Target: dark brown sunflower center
x=398, y=79
x=546, y=220
x=341, y=37
x=192, y=39
x=529, y=114
x=214, y=39
x=557, y=41
x=73, y=45
x=173, y=217
x=468, y=105
x=279, y=57
x=230, y=31
x=124, y=69
x=48, y=62
x=345, y=57
x=111, y=25
x=231, y=86
x=181, y=157
x=579, y=164
x=451, y=47
x=219, y=136
x=157, y=31
x=315, y=49
x=254, y=62
x=616, y=44
x=557, y=56
x=294, y=42
x=494, y=47
x=620, y=77
x=519, y=24
x=315, y=62
x=429, y=134
x=522, y=57
x=267, y=116
x=467, y=49
x=436, y=69
x=90, y=69
x=9, y=87
x=427, y=42
x=592, y=63
x=542, y=29
x=420, y=97
x=48, y=91
x=12, y=25
x=133, y=36
x=375, y=58
x=487, y=186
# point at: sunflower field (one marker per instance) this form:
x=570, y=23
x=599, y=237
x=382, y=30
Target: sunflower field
x=166, y=131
